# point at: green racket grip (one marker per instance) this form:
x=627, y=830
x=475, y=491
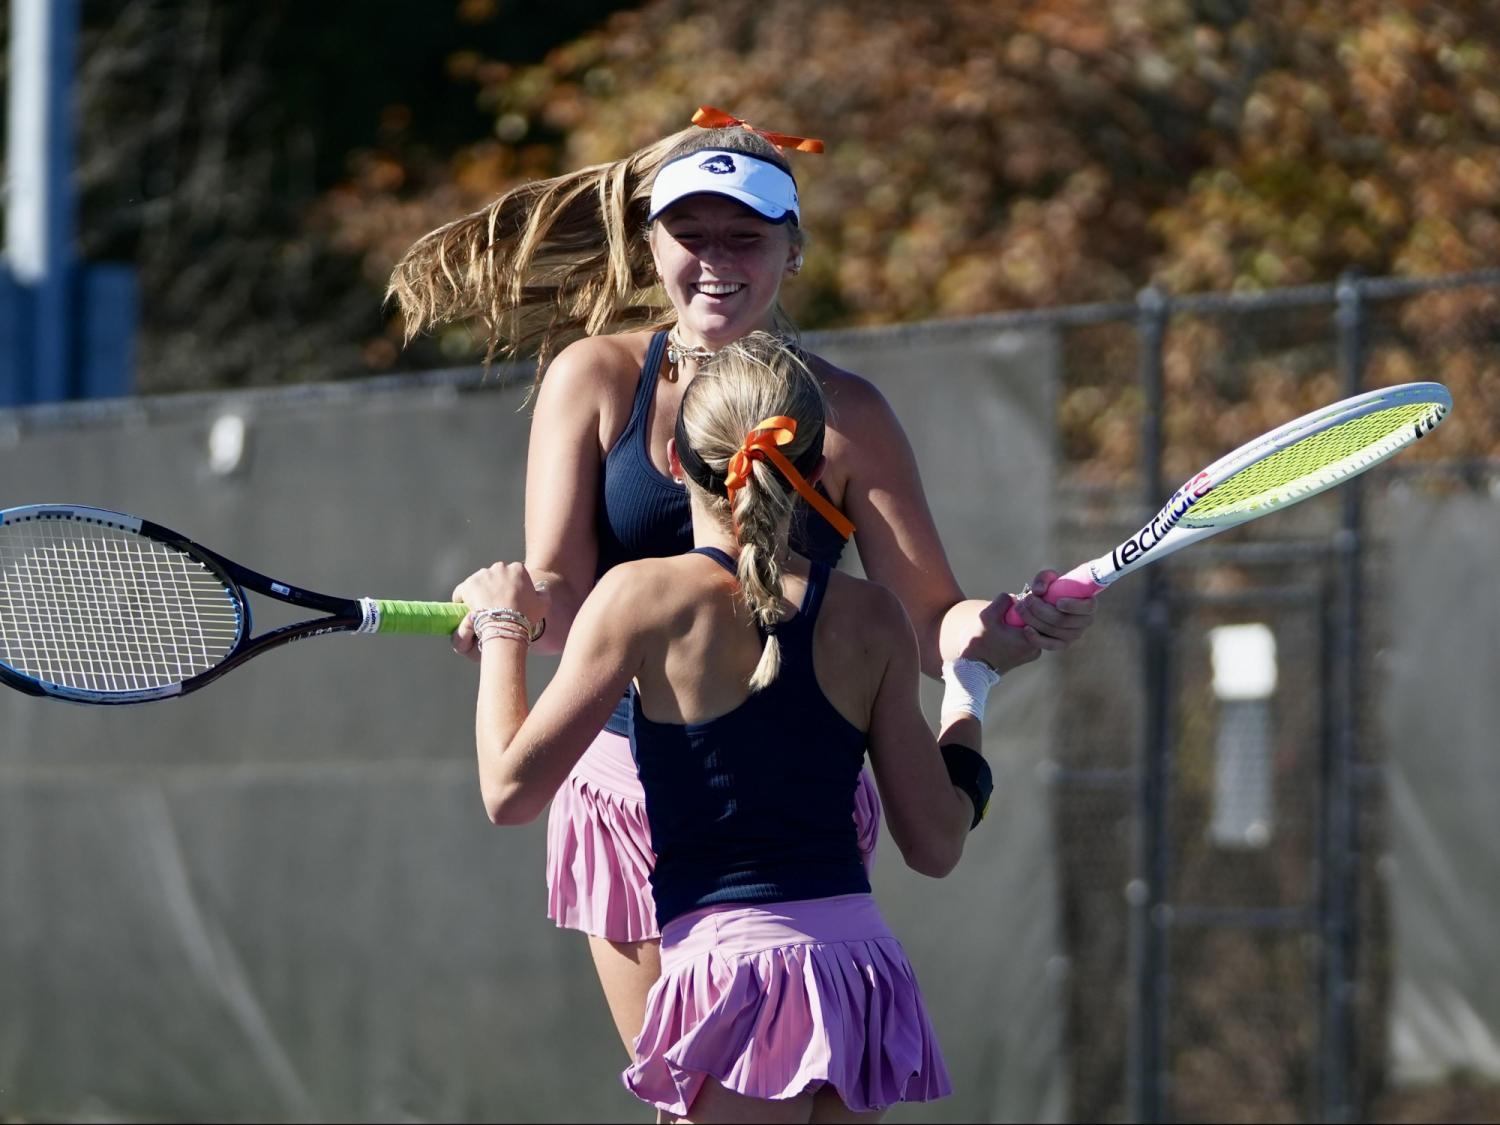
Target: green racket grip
x=432, y=619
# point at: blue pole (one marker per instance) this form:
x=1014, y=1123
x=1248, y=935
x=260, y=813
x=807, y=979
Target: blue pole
x=40, y=212
x=55, y=293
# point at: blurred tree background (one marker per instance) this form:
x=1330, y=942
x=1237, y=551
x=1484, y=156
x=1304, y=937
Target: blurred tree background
x=212, y=136
x=265, y=164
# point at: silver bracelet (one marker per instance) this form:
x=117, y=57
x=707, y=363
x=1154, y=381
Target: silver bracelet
x=504, y=630
x=500, y=613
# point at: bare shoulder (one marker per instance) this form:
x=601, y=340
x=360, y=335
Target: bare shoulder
x=868, y=611
x=595, y=376
x=861, y=636
x=596, y=363
x=846, y=389
x=661, y=593
x=857, y=410
x=863, y=431
x=628, y=580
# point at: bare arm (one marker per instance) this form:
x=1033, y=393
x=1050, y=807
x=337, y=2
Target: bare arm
x=900, y=548
x=524, y=757
x=563, y=460
x=928, y=816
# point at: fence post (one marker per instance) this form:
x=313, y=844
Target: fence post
x=1338, y=836
x=1149, y=911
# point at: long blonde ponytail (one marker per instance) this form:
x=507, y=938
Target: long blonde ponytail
x=745, y=383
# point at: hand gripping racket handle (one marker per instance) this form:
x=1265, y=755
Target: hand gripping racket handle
x=425, y=618
x=1077, y=583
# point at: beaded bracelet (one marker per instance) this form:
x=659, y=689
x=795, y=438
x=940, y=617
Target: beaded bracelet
x=479, y=617
x=502, y=629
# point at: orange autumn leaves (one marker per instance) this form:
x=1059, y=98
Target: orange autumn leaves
x=988, y=156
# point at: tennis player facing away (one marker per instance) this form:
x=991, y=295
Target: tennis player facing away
x=758, y=681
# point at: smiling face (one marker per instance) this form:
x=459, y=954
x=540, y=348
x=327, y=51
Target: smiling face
x=721, y=265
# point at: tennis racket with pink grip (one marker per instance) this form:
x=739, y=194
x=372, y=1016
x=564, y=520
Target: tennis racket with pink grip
x=1292, y=462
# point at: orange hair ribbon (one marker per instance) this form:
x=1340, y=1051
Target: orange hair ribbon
x=708, y=117
x=760, y=445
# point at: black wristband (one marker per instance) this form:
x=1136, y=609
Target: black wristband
x=968, y=770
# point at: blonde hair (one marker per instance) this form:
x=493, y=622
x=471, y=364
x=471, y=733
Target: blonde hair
x=556, y=259
x=746, y=382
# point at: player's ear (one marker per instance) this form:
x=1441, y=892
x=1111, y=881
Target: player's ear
x=673, y=463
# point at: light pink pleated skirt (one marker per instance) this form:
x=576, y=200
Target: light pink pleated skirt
x=782, y=999
x=599, y=855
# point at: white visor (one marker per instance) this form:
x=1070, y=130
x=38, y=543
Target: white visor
x=767, y=190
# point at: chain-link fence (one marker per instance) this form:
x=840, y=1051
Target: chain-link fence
x=1223, y=844
x=1271, y=840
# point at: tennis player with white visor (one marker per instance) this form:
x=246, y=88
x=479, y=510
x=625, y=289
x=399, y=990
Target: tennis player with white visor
x=760, y=185
x=565, y=258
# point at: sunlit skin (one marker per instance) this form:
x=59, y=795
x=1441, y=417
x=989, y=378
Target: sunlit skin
x=722, y=267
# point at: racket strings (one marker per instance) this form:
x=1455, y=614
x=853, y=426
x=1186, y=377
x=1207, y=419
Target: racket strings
x=1312, y=464
x=104, y=610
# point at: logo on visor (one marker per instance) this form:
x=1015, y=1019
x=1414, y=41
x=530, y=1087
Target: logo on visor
x=720, y=165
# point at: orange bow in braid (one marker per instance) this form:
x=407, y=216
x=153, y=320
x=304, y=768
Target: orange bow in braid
x=708, y=117
x=760, y=445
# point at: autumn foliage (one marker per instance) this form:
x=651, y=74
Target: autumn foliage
x=990, y=156
x=986, y=156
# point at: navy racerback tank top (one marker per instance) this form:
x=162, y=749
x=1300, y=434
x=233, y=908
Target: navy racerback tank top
x=645, y=514
x=756, y=805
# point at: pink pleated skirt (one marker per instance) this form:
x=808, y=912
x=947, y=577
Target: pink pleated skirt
x=783, y=999
x=599, y=855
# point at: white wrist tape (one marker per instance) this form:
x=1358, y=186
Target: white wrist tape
x=966, y=686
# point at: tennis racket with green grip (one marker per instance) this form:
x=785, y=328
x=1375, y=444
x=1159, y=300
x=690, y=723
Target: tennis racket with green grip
x=101, y=607
x=1279, y=469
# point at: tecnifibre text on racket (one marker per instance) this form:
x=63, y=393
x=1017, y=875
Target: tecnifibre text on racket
x=1281, y=468
x=101, y=607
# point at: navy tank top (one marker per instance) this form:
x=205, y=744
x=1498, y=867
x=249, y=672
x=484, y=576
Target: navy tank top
x=756, y=805
x=645, y=514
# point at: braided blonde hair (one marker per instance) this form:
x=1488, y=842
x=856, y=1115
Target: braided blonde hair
x=754, y=378
x=556, y=259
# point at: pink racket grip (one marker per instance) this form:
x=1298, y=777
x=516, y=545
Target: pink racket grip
x=1077, y=583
